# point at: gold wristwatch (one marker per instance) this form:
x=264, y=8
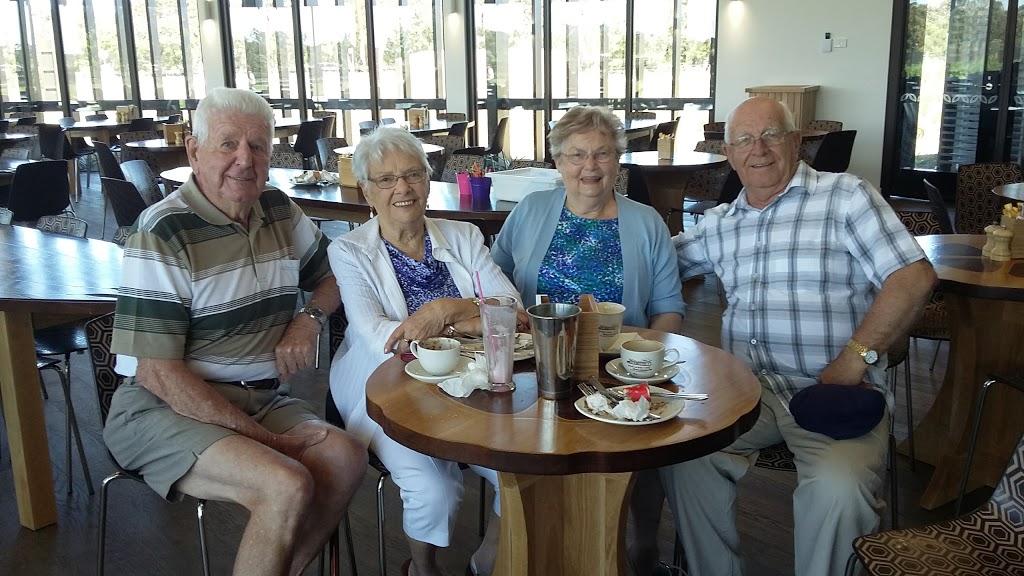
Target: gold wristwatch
x=870, y=356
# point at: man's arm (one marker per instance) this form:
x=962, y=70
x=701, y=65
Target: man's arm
x=667, y=322
x=297, y=347
x=898, y=304
x=189, y=395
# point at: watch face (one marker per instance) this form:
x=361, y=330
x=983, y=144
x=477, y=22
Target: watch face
x=871, y=356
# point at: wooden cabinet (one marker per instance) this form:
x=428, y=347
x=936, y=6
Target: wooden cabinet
x=800, y=99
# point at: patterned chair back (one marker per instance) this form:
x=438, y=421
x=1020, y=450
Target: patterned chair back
x=461, y=163
x=826, y=125
x=98, y=333
x=138, y=136
x=121, y=235
x=451, y=116
x=513, y=164
x=326, y=147
x=449, y=144
x=622, y=182
x=284, y=157
x=16, y=153
x=710, y=146
x=642, y=115
x=976, y=205
x=336, y=324
x=66, y=225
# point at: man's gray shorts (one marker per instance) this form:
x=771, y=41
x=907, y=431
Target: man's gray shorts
x=146, y=436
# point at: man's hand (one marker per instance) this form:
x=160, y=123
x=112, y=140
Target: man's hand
x=293, y=446
x=297, y=348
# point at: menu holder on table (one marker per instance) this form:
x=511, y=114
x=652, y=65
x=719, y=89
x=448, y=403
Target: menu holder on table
x=587, y=362
x=346, y=177
x=1017, y=228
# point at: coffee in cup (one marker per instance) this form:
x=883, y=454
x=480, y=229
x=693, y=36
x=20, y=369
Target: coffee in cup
x=609, y=322
x=644, y=358
x=438, y=356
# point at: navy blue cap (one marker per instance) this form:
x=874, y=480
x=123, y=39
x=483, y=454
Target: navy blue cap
x=836, y=410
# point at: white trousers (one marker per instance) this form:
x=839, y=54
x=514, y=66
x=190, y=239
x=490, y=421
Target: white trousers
x=834, y=501
x=431, y=489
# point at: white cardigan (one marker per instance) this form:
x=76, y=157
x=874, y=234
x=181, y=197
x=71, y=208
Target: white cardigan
x=375, y=305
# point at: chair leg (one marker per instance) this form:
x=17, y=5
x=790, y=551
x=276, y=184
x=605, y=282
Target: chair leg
x=974, y=443
x=71, y=426
x=483, y=506
x=938, y=345
x=678, y=553
x=380, y=524
x=910, y=413
x=351, y=546
x=102, y=531
x=106, y=207
x=894, y=484
x=851, y=564
x=200, y=509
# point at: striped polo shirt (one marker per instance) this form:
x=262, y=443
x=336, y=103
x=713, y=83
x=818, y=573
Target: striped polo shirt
x=198, y=286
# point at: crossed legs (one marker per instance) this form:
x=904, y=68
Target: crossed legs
x=294, y=505
x=833, y=503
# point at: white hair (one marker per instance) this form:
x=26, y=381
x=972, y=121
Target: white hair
x=385, y=140
x=788, y=123
x=230, y=100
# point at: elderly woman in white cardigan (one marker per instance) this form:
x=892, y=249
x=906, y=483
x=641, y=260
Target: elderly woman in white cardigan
x=404, y=276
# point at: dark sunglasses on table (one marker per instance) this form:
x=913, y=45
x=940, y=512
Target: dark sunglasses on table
x=391, y=180
x=771, y=138
x=579, y=157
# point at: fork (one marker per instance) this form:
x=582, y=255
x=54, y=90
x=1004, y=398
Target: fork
x=590, y=389
x=619, y=395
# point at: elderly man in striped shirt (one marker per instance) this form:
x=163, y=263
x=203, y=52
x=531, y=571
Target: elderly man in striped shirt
x=821, y=278
x=207, y=334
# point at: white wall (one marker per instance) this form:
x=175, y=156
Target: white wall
x=764, y=42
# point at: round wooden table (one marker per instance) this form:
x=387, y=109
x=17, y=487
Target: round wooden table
x=564, y=478
x=48, y=279
x=164, y=155
x=666, y=179
x=102, y=130
x=336, y=202
x=437, y=127
x=986, y=309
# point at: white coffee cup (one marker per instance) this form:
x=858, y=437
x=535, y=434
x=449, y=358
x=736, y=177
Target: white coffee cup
x=609, y=322
x=438, y=356
x=644, y=358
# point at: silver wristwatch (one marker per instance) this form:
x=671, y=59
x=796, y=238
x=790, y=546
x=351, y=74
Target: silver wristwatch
x=316, y=314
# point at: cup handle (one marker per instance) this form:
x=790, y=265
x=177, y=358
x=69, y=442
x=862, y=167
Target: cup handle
x=671, y=357
x=414, y=347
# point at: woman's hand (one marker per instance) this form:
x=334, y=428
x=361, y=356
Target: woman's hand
x=428, y=321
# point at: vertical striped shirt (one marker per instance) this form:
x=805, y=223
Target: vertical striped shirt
x=800, y=274
x=197, y=286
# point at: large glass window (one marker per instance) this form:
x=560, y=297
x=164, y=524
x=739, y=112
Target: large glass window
x=264, y=50
x=95, y=55
x=167, y=41
x=409, y=71
x=13, y=87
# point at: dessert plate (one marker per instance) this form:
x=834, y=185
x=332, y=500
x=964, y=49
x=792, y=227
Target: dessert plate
x=665, y=409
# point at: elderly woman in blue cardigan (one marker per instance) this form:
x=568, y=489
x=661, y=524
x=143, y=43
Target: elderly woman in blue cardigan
x=583, y=238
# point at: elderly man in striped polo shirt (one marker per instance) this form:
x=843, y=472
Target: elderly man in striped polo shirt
x=821, y=279
x=207, y=335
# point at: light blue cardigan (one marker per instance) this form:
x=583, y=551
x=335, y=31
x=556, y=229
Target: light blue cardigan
x=649, y=269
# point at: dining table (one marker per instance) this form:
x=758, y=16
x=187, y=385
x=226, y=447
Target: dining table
x=986, y=309
x=437, y=127
x=336, y=202
x=48, y=279
x=102, y=130
x=564, y=478
x=165, y=155
x=665, y=179
x=285, y=128
x=8, y=166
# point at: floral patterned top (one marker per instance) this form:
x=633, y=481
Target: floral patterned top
x=423, y=281
x=585, y=257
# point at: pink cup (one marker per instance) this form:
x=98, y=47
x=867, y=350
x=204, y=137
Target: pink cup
x=463, y=180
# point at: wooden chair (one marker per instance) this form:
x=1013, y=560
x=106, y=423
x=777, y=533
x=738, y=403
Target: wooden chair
x=989, y=540
x=99, y=333
x=826, y=125
x=976, y=205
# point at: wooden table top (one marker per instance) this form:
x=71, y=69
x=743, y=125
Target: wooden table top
x=962, y=269
x=156, y=145
x=444, y=200
x=520, y=433
x=51, y=273
x=437, y=127
x=427, y=148
x=682, y=160
x=1013, y=191
x=93, y=124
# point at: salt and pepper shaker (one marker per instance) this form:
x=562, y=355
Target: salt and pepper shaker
x=1001, y=244
x=986, y=251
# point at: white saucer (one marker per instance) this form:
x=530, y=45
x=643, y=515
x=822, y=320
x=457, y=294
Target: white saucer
x=614, y=367
x=415, y=369
x=666, y=409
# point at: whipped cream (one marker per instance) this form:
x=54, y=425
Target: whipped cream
x=629, y=410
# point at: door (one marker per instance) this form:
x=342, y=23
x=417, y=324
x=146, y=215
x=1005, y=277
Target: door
x=960, y=98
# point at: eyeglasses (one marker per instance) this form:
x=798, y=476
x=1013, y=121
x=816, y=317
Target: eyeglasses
x=391, y=180
x=601, y=156
x=771, y=138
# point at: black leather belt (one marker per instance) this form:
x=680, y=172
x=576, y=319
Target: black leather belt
x=265, y=384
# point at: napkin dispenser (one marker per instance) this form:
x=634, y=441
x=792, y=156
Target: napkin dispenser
x=587, y=363
x=417, y=118
x=345, y=175
x=171, y=132
x=126, y=113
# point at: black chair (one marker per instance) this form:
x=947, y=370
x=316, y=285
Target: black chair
x=139, y=173
x=386, y=121
x=835, y=151
x=99, y=332
x=366, y=127
x=3, y=125
x=497, y=146
x=124, y=199
x=141, y=124
x=938, y=208
x=96, y=117
x=328, y=118
x=39, y=189
x=326, y=147
x=305, y=143
x=26, y=120
x=173, y=118
x=458, y=129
